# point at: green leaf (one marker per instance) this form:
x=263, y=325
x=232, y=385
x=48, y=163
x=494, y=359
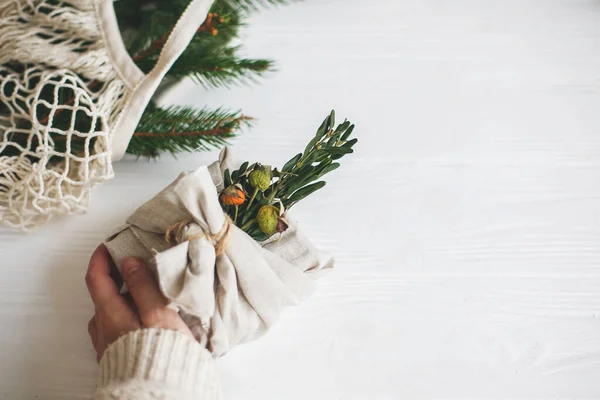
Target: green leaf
x=320, y=167
x=291, y=163
x=348, y=132
x=302, y=179
x=332, y=140
x=227, y=180
x=253, y=231
x=260, y=237
x=331, y=119
x=313, y=156
x=322, y=157
x=305, y=191
x=311, y=145
x=324, y=128
x=328, y=169
x=243, y=168
x=246, y=216
x=342, y=127
x=350, y=143
x=339, y=150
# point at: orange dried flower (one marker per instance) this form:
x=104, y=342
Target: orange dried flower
x=233, y=196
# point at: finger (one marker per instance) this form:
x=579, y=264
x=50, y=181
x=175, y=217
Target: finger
x=143, y=288
x=129, y=300
x=115, y=275
x=166, y=318
x=93, y=331
x=162, y=317
x=99, y=283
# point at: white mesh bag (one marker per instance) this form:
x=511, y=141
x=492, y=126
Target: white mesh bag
x=70, y=99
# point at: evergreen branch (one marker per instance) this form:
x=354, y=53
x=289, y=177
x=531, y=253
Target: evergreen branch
x=209, y=59
x=155, y=46
x=216, y=131
x=213, y=70
x=144, y=22
x=176, y=129
x=255, y=5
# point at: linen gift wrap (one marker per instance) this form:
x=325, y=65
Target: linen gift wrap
x=228, y=288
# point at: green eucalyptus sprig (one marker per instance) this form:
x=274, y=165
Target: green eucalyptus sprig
x=272, y=191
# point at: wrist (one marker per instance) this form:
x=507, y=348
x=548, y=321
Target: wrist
x=150, y=357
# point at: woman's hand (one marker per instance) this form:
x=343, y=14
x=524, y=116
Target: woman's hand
x=117, y=315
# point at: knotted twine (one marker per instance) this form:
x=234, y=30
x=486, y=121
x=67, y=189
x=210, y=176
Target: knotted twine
x=178, y=233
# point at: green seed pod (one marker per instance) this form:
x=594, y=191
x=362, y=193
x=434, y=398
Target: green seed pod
x=260, y=178
x=268, y=217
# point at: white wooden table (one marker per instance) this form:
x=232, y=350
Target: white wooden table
x=466, y=227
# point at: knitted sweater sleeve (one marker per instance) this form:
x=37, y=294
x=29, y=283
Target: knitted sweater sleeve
x=157, y=364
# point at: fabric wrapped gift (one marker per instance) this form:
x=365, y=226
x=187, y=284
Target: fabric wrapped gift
x=228, y=288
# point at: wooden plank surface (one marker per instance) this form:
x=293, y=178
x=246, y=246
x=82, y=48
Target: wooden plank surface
x=466, y=227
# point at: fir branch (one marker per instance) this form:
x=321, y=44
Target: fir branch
x=173, y=132
x=209, y=59
x=177, y=129
x=221, y=68
x=155, y=46
x=144, y=22
x=254, y=5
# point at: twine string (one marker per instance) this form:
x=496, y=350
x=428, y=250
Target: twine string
x=177, y=233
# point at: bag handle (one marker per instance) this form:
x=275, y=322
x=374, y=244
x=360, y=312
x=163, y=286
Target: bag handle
x=181, y=35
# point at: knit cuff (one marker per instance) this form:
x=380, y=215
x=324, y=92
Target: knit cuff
x=160, y=357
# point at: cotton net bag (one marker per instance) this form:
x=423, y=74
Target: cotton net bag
x=70, y=99
x=228, y=288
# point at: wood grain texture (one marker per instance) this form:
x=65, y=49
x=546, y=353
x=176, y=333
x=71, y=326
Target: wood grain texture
x=466, y=227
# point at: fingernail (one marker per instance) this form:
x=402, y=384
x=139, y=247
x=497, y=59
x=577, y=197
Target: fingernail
x=131, y=265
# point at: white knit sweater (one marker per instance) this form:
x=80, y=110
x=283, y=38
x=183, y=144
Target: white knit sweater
x=157, y=364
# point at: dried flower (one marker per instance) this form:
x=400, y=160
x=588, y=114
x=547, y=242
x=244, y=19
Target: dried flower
x=233, y=196
x=282, y=225
x=260, y=180
x=261, y=177
x=267, y=218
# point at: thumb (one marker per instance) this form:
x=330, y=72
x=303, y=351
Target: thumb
x=144, y=289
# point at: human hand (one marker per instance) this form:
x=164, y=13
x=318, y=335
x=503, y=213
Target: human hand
x=116, y=314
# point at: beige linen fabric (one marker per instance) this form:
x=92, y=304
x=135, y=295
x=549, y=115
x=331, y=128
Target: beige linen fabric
x=226, y=299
